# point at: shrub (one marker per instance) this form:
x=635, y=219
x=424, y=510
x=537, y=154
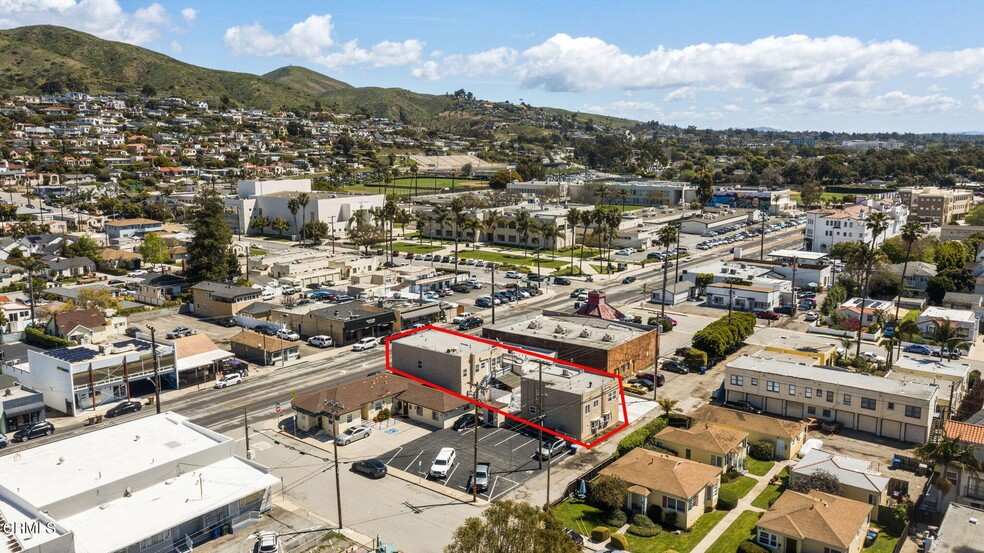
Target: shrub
x=729, y=476
x=727, y=499
x=36, y=337
x=643, y=527
x=619, y=542
x=670, y=518
x=763, y=450
x=608, y=494
x=724, y=334
x=655, y=512
x=383, y=414
x=639, y=436
x=694, y=359
x=616, y=518
x=599, y=533
x=652, y=321
x=748, y=546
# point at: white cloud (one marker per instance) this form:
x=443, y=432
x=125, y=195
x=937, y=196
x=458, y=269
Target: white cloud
x=731, y=107
x=898, y=102
x=176, y=47
x=684, y=93
x=979, y=82
x=312, y=40
x=189, y=15
x=479, y=64
x=978, y=103
x=626, y=108
x=103, y=18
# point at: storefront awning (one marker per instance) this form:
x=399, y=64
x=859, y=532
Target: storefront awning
x=202, y=359
x=24, y=409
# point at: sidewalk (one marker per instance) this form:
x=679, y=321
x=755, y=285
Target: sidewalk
x=744, y=504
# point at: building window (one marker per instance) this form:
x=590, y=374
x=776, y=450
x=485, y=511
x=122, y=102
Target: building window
x=251, y=498
x=811, y=410
x=847, y=399
x=693, y=501
x=612, y=395
x=532, y=409
x=830, y=396
x=792, y=389
x=819, y=393
x=155, y=539
x=434, y=415
x=348, y=418
x=768, y=539
x=378, y=405
x=595, y=403
x=772, y=386
x=673, y=504
x=420, y=364
x=891, y=406
x=755, y=382
x=913, y=412
x=420, y=411
x=737, y=380
x=587, y=408
x=808, y=392
x=868, y=403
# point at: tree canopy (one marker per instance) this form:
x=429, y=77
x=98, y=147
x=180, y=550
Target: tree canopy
x=512, y=527
x=210, y=241
x=153, y=249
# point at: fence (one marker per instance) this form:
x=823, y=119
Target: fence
x=587, y=477
x=813, y=329
x=245, y=520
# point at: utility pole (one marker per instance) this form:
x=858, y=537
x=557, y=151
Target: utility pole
x=731, y=299
x=659, y=328
x=332, y=217
x=157, y=368
x=792, y=311
x=335, y=408
x=492, y=292
x=539, y=413
x=474, y=387
x=246, y=428
x=762, y=239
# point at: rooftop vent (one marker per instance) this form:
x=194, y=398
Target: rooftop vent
x=584, y=333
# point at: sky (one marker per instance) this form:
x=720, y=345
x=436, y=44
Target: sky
x=871, y=66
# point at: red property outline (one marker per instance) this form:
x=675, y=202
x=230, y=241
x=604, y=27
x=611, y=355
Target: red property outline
x=621, y=388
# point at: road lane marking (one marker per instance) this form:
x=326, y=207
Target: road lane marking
x=524, y=444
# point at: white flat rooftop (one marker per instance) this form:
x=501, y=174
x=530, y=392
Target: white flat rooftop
x=799, y=254
x=435, y=340
x=65, y=468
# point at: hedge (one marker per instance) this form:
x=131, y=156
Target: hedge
x=619, y=542
x=694, y=359
x=724, y=334
x=616, y=518
x=727, y=499
x=37, y=338
x=638, y=436
x=748, y=546
x=599, y=533
x=763, y=450
x=644, y=527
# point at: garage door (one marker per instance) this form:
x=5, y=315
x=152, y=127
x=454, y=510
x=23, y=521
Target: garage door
x=845, y=418
x=915, y=433
x=755, y=400
x=868, y=423
x=773, y=405
x=735, y=395
x=891, y=429
x=794, y=409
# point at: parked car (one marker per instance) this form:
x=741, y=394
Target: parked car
x=353, y=434
x=513, y=274
x=4, y=442
x=675, y=366
x=812, y=316
x=267, y=542
x=374, y=468
x=872, y=356
x=769, y=315
x=533, y=277
x=743, y=405
x=123, y=408
x=266, y=328
x=228, y=380
x=179, y=332
x=484, y=302
x=575, y=536
x=288, y=334
x=952, y=354
x=921, y=349
x=321, y=341
x=636, y=389
x=137, y=273
x=364, y=344
x=470, y=323
x=578, y=291
x=628, y=280
x=462, y=316
x=553, y=446
x=230, y=322
x=562, y=281
x=461, y=288
x=647, y=376
x=131, y=331
x=464, y=421
x=36, y=430
x=479, y=480
x=442, y=463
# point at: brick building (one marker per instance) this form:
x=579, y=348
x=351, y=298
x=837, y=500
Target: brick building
x=611, y=346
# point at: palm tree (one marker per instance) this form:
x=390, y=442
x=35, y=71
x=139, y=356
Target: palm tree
x=475, y=225
x=303, y=199
x=586, y=219
x=668, y=406
x=492, y=220
x=440, y=216
x=458, y=218
x=524, y=224
x=944, y=453
x=947, y=335
x=665, y=237
x=294, y=206
x=613, y=218
x=32, y=267
x=413, y=171
x=601, y=192
x=911, y=232
x=420, y=220
x=536, y=229
x=876, y=223
x=623, y=194
x=573, y=220
x=388, y=214
x=359, y=218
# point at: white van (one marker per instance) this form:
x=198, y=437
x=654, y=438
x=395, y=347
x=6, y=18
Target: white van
x=364, y=344
x=268, y=294
x=320, y=341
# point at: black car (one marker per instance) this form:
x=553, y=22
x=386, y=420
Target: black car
x=124, y=408
x=562, y=281
x=533, y=277
x=268, y=329
x=744, y=406
x=229, y=322
x=35, y=430
x=373, y=468
x=131, y=332
x=470, y=323
x=446, y=259
x=575, y=537
x=675, y=366
x=464, y=421
x=461, y=288
x=628, y=280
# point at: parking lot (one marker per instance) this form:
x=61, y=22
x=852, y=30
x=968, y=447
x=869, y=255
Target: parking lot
x=508, y=450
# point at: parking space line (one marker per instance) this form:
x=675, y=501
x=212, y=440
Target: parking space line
x=448, y=478
x=490, y=434
x=395, y=453
x=511, y=436
x=508, y=489
x=492, y=488
x=524, y=444
x=410, y=464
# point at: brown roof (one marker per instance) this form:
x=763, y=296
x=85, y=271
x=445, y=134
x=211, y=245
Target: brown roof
x=195, y=344
x=828, y=519
x=128, y=222
x=662, y=473
x=598, y=306
x=706, y=437
x=425, y=396
x=89, y=318
x=740, y=420
x=112, y=254
x=261, y=341
x=351, y=395
x=970, y=433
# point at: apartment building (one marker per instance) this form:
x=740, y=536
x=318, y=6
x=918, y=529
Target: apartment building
x=827, y=227
x=935, y=205
x=967, y=484
x=581, y=404
x=212, y=299
x=901, y=410
x=506, y=230
x=446, y=360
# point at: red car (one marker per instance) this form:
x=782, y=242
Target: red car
x=410, y=255
x=647, y=377
x=770, y=315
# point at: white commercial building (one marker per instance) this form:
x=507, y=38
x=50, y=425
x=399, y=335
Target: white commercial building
x=827, y=227
x=151, y=485
x=270, y=198
x=648, y=193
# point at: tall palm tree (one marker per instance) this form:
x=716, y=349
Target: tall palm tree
x=388, y=214
x=550, y=233
x=586, y=219
x=601, y=192
x=294, y=206
x=524, y=224
x=536, y=229
x=359, y=218
x=623, y=194
x=665, y=237
x=613, y=218
x=303, y=199
x=420, y=220
x=458, y=218
x=573, y=220
x=947, y=335
x=475, y=226
x=440, y=215
x=876, y=223
x=944, y=453
x=33, y=267
x=599, y=229
x=911, y=232
x=492, y=219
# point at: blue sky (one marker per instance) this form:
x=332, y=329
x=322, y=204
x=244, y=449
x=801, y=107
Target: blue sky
x=851, y=66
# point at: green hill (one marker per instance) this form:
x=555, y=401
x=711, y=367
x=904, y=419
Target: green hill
x=396, y=104
x=33, y=56
x=306, y=80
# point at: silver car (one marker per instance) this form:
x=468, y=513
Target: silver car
x=353, y=434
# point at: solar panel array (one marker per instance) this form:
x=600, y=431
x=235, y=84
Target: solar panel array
x=74, y=355
x=137, y=344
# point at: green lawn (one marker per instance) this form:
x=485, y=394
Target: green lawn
x=741, y=529
x=758, y=468
x=741, y=485
x=253, y=251
x=885, y=543
x=911, y=315
x=513, y=259
x=771, y=492
x=579, y=516
x=404, y=247
x=684, y=543
x=825, y=197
